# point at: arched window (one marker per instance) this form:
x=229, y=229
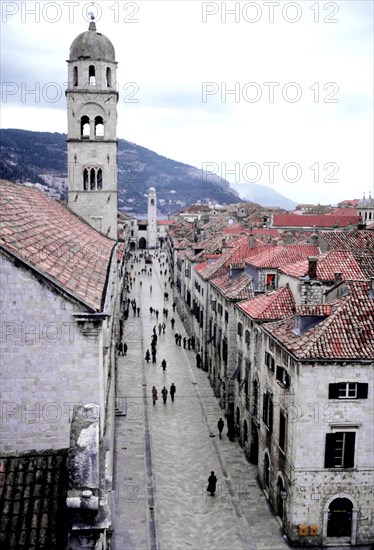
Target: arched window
x=99, y=126
x=92, y=75
x=99, y=179
x=75, y=76
x=85, y=179
x=152, y=202
x=108, y=77
x=92, y=179
x=85, y=127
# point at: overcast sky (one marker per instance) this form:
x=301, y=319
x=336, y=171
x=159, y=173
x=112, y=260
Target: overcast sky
x=300, y=113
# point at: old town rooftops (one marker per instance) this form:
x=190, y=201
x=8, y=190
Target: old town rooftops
x=278, y=304
x=55, y=242
x=346, y=333
x=277, y=256
x=237, y=288
x=328, y=265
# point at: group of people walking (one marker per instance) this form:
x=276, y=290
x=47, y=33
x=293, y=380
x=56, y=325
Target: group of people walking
x=164, y=393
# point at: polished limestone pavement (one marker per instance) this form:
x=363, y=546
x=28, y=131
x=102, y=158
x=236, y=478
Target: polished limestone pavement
x=164, y=453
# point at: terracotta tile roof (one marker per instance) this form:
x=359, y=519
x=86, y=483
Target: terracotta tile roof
x=278, y=304
x=311, y=220
x=357, y=242
x=33, y=489
x=239, y=288
x=328, y=264
x=213, y=269
x=313, y=310
x=234, y=230
x=55, y=241
x=165, y=222
x=278, y=256
x=346, y=334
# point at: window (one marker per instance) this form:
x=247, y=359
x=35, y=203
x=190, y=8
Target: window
x=220, y=309
x=108, y=77
x=348, y=390
x=270, y=281
x=99, y=126
x=85, y=127
x=283, y=377
x=99, y=179
x=255, y=398
x=247, y=337
x=340, y=450
x=267, y=411
x=282, y=431
x=92, y=179
x=75, y=76
x=269, y=361
x=240, y=329
x=226, y=316
x=92, y=75
x=85, y=179
x=224, y=350
x=266, y=471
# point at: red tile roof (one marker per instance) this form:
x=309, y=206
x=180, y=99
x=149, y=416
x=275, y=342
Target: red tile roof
x=55, y=241
x=278, y=304
x=328, y=264
x=346, y=334
x=311, y=220
x=278, y=256
x=239, y=288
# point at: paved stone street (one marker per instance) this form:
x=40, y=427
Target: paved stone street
x=164, y=453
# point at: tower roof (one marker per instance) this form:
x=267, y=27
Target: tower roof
x=92, y=45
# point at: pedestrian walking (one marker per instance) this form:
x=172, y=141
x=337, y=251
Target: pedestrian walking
x=184, y=342
x=150, y=289
x=193, y=342
x=173, y=389
x=159, y=329
x=176, y=336
x=138, y=310
x=179, y=339
x=151, y=310
x=212, y=482
x=124, y=348
x=198, y=360
x=163, y=365
x=164, y=392
x=163, y=328
x=174, y=306
x=154, y=354
x=172, y=322
x=189, y=343
x=156, y=313
x=154, y=329
x=147, y=356
x=154, y=395
x=220, y=426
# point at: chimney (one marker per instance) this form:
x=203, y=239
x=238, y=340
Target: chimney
x=338, y=277
x=312, y=267
x=251, y=241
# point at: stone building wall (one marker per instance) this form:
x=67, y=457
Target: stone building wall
x=49, y=362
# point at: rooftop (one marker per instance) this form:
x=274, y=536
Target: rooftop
x=314, y=220
x=54, y=241
x=278, y=304
x=328, y=264
x=281, y=255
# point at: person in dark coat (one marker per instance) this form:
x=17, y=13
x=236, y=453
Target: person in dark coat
x=172, y=322
x=198, y=360
x=154, y=353
x=147, y=356
x=163, y=365
x=192, y=342
x=176, y=336
x=154, y=395
x=184, y=342
x=220, y=426
x=172, y=391
x=174, y=306
x=164, y=392
x=124, y=348
x=212, y=482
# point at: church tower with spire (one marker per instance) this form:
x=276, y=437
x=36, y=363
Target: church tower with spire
x=92, y=131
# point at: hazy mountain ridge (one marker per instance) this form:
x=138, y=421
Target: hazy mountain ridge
x=41, y=158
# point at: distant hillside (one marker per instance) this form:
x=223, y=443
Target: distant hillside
x=264, y=195
x=41, y=158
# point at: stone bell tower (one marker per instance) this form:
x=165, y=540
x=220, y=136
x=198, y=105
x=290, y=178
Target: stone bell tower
x=152, y=218
x=92, y=131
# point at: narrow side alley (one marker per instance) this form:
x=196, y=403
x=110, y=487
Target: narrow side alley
x=164, y=453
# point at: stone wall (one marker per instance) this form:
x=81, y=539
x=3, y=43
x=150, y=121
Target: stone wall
x=49, y=362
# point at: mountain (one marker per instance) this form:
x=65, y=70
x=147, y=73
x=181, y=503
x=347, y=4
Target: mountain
x=264, y=195
x=41, y=158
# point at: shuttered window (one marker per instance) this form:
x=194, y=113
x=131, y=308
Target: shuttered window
x=340, y=450
x=348, y=390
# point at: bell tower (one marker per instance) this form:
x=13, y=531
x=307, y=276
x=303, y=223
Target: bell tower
x=92, y=131
x=152, y=218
